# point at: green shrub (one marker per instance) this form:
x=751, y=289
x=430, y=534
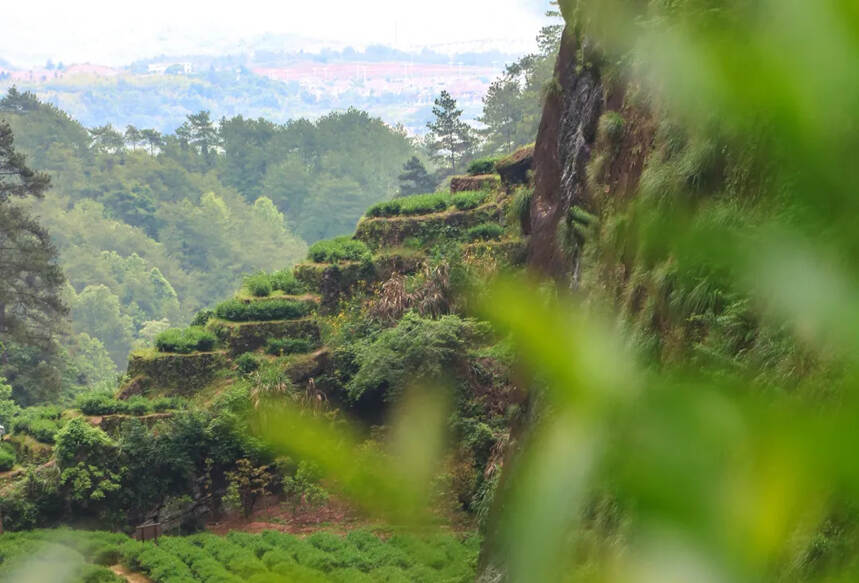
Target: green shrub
x=416, y=350
x=7, y=459
x=259, y=284
x=286, y=346
x=97, y=404
x=247, y=363
x=238, y=311
x=105, y=404
x=485, y=232
x=482, y=166
x=422, y=204
x=465, y=201
x=339, y=249
x=185, y=341
x=284, y=280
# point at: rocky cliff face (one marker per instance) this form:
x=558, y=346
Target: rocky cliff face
x=566, y=136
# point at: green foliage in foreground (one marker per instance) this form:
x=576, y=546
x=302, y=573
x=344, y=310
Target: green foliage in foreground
x=186, y=341
x=337, y=250
x=239, y=311
x=79, y=557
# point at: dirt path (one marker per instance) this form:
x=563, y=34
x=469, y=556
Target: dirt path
x=129, y=576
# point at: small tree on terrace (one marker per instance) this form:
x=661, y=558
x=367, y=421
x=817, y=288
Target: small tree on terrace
x=247, y=484
x=450, y=139
x=415, y=179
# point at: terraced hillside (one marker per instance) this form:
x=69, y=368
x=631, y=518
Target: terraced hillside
x=288, y=319
x=343, y=335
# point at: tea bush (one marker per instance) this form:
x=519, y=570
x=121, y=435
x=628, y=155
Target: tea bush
x=418, y=204
x=388, y=208
x=423, y=204
x=284, y=280
x=247, y=363
x=238, y=311
x=259, y=284
x=41, y=423
x=339, y=249
x=482, y=166
x=185, y=341
x=106, y=404
x=240, y=557
x=465, y=201
x=485, y=232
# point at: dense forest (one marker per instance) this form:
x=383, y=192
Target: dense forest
x=606, y=335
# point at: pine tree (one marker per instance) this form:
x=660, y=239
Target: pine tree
x=132, y=137
x=200, y=132
x=31, y=308
x=415, y=179
x=153, y=139
x=502, y=114
x=450, y=139
x=107, y=139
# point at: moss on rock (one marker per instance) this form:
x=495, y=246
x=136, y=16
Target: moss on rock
x=473, y=183
x=180, y=374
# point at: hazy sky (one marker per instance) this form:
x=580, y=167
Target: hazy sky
x=116, y=33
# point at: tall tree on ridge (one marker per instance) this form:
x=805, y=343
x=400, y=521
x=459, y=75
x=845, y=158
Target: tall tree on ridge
x=132, y=136
x=450, y=139
x=200, y=132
